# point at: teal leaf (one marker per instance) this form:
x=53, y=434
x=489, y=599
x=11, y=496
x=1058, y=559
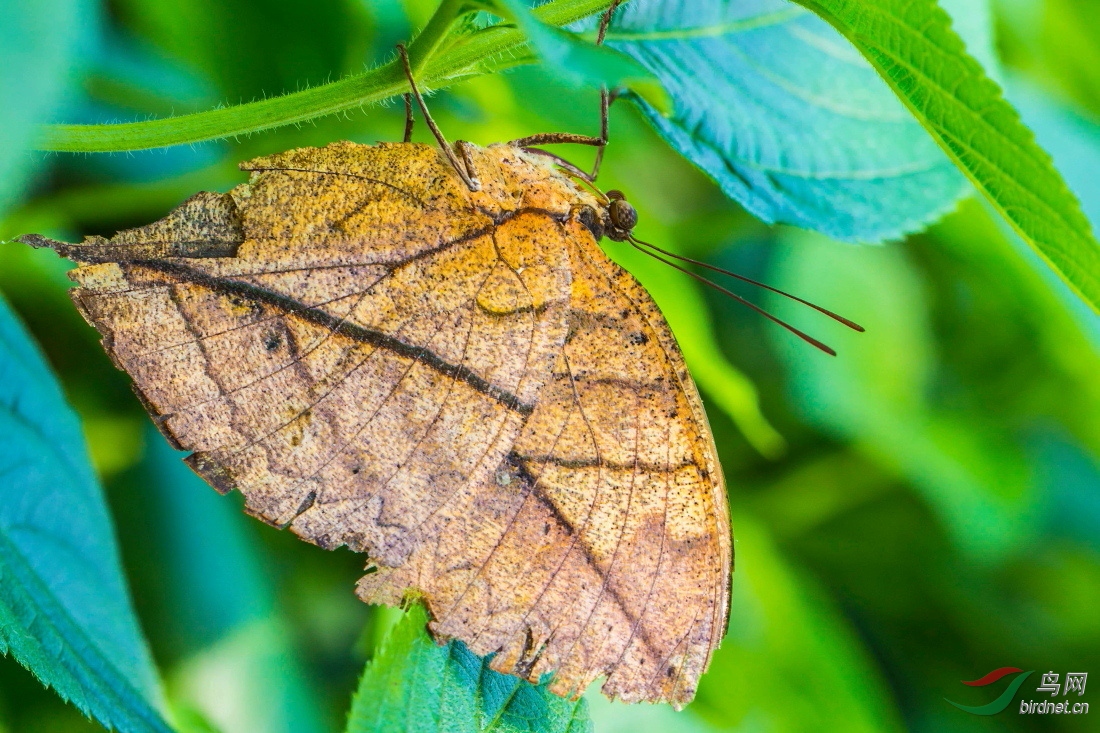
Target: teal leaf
x=64, y=609
x=414, y=684
x=912, y=45
x=579, y=62
x=39, y=44
x=788, y=118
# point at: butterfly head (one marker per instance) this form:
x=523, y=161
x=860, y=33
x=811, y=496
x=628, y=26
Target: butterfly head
x=621, y=217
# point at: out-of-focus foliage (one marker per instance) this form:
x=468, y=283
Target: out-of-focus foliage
x=936, y=513
x=241, y=673
x=880, y=396
x=40, y=44
x=415, y=684
x=580, y=63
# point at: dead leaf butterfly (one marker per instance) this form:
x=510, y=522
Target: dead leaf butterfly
x=429, y=359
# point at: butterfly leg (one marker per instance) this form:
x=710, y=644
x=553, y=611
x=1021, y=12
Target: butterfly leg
x=463, y=149
x=465, y=168
x=562, y=163
x=606, y=99
x=408, y=118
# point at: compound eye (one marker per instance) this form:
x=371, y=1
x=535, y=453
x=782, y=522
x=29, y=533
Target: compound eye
x=623, y=215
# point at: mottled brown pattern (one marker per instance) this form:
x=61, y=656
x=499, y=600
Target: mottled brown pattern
x=461, y=385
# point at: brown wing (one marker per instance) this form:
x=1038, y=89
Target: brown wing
x=460, y=385
x=602, y=544
x=366, y=350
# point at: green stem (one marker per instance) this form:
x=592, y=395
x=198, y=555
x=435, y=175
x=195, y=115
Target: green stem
x=438, y=29
x=495, y=47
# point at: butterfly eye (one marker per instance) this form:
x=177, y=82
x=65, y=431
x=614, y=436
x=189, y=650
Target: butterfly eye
x=623, y=215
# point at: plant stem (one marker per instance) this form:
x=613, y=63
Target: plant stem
x=494, y=47
x=439, y=27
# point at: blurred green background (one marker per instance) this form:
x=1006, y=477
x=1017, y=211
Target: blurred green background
x=936, y=512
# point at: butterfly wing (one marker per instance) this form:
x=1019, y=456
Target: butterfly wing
x=461, y=385
x=602, y=544
x=365, y=349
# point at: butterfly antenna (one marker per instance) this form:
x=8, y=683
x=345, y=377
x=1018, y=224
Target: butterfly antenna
x=800, y=334
x=836, y=317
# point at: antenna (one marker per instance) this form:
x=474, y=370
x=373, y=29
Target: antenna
x=840, y=319
x=640, y=246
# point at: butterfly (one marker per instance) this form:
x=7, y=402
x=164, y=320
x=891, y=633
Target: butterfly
x=423, y=354
x=459, y=383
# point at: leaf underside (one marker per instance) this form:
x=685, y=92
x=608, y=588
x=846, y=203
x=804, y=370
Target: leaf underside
x=788, y=118
x=912, y=45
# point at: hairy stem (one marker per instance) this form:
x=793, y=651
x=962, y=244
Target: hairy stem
x=494, y=48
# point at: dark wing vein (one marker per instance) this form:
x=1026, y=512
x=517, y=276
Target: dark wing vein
x=352, y=331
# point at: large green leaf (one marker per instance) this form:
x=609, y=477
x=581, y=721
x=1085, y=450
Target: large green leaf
x=912, y=45
x=64, y=609
x=415, y=685
x=787, y=117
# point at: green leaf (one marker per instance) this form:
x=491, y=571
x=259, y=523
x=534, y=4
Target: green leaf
x=64, y=609
x=788, y=119
x=1074, y=142
x=581, y=63
x=39, y=42
x=414, y=684
x=912, y=45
